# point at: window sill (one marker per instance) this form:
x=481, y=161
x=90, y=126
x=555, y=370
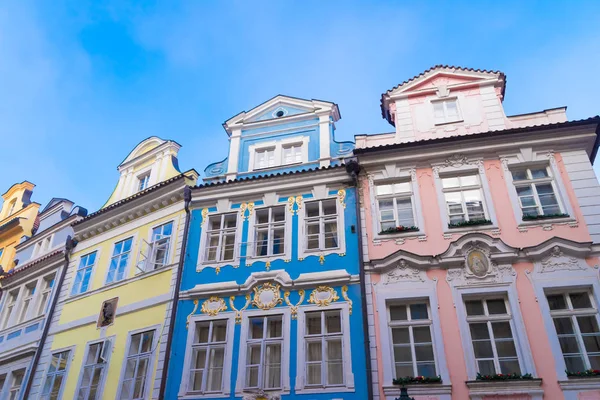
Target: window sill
x=449, y=122
x=419, y=389
x=217, y=265
x=315, y=390
x=471, y=228
x=251, y=259
x=505, y=387
x=404, y=234
x=190, y=396
x=545, y=221
x=21, y=325
x=580, y=383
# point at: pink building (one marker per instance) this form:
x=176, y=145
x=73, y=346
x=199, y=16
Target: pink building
x=481, y=236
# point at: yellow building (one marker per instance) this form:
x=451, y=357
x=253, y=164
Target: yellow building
x=17, y=219
x=109, y=332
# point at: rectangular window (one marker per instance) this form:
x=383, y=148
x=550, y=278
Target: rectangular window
x=27, y=299
x=143, y=182
x=395, y=205
x=220, y=238
x=264, y=158
x=292, y=154
x=47, y=285
x=446, y=111
x=324, y=350
x=321, y=225
x=84, y=274
x=264, y=347
x=119, y=260
x=464, y=198
x=15, y=384
x=536, y=191
x=55, y=376
x=161, y=241
x=575, y=318
x=2, y=382
x=1, y=252
x=11, y=302
x=42, y=247
x=94, y=368
x=139, y=357
x=208, y=357
x=492, y=336
x=269, y=231
x=410, y=326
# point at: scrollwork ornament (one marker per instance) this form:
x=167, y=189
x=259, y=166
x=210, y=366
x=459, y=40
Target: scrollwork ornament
x=291, y=201
x=294, y=307
x=243, y=208
x=187, y=320
x=345, y=296
x=204, y=216
x=213, y=306
x=250, y=210
x=341, y=195
x=299, y=202
x=267, y=296
x=238, y=313
x=323, y=296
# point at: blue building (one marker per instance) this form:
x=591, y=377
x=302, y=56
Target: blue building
x=270, y=300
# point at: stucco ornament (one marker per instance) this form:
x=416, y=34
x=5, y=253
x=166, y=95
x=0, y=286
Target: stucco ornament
x=204, y=216
x=323, y=296
x=294, y=307
x=456, y=160
x=187, y=320
x=341, y=195
x=238, y=313
x=345, y=296
x=299, y=202
x=558, y=261
x=477, y=263
x=267, y=296
x=213, y=306
x=291, y=201
x=403, y=273
x=260, y=394
x=479, y=268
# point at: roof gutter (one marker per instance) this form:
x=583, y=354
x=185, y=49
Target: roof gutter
x=69, y=246
x=187, y=197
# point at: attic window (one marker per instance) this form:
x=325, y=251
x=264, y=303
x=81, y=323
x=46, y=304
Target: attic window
x=143, y=182
x=446, y=111
x=280, y=112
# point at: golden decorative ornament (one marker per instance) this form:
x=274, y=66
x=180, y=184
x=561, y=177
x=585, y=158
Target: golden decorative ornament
x=299, y=202
x=250, y=209
x=341, y=195
x=217, y=270
x=187, y=320
x=213, y=306
x=323, y=296
x=204, y=216
x=294, y=308
x=243, y=208
x=291, y=204
x=322, y=259
x=266, y=296
x=238, y=313
x=268, y=265
x=345, y=296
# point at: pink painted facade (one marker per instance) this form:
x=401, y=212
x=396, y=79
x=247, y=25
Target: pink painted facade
x=481, y=237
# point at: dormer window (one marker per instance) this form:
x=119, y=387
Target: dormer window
x=264, y=158
x=143, y=182
x=292, y=154
x=12, y=205
x=445, y=111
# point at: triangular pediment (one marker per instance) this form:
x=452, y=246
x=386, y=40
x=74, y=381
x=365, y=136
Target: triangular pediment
x=281, y=107
x=442, y=76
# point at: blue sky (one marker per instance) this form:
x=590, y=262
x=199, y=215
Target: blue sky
x=82, y=82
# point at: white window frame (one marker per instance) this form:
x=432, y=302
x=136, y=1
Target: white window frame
x=8, y=316
x=301, y=386
x=146, y=256
x=531, y=182
x=221, y=233
x=303, y=251
x=287, y=251
x=461, y=189
x=27, y=301
x=227, y=368
x=143, y=180
x=517, y=326
x=263, y=342
x=572, y=314
x=129, y=254
x=70, y=355
x=446, y=119
x=151, y=362
x=278, y=146
x=394, y=197
x=77, y=269
x=42, y=302
x=202, y=262
x=10, y=380
x=106, y=367
x=411, y=324
x=240, y=386
x=43, y=246
x=471, y=167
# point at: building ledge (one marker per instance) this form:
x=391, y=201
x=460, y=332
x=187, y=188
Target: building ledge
x=419, y=389
x=577, y=383
x=505, y=387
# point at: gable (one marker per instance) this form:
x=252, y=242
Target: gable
x=440, y=79
x=280, y=110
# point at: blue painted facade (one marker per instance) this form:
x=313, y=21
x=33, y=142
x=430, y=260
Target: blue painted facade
x=286, y=293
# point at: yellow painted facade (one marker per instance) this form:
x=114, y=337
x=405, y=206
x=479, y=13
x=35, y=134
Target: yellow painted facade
x=17, y=219
x=145, y=291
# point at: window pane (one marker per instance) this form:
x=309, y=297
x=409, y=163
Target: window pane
x=496, y=306
x=403, y=187
x=450, y=182
x=418, y=311
x=510, y=366
x=255, y=330
x=426, y=369
x=580, y=300
x=313, y=374
x=314, y=351
x=202, y=330
x=469, y=180
x=574, y=363
x=506, y=348
x=438, y=110
x=329, y=207
x=333, y=322
x=592, y=343
x=525, y=191
x=519, y=175
x=262, y=216
x=474, y=307
x=398, y=313
x=479, y=331
x=537, y=173
x=422, y=334
x=402, y=354
x=451, y=109
x=563, y=326
x=404, y=370
x=569, y=345
x=587, y=324
x=383, y=189
x=313, y=323
x=501, y=329
x=483, y=349
x=486, y=367
x=556, y=302
x=274, y=326
x=400, y=335
x=312, y=209
x=424, y=352
x=219, y=331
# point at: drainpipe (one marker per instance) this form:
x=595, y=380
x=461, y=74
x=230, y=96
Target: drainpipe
x=187, y=198
x=353, y=168
x=69, y=246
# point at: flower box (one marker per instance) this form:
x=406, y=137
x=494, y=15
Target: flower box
x=411, y=380
x=399, y=229
x=473, y=222
x=503, y=377
x=547, y=216
x=590, y=373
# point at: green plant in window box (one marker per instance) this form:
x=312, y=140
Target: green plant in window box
x=399, y=229
x=546, y=216
x=411, y=380
x=583, y=374
x=503, y=377
x=472, y=222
